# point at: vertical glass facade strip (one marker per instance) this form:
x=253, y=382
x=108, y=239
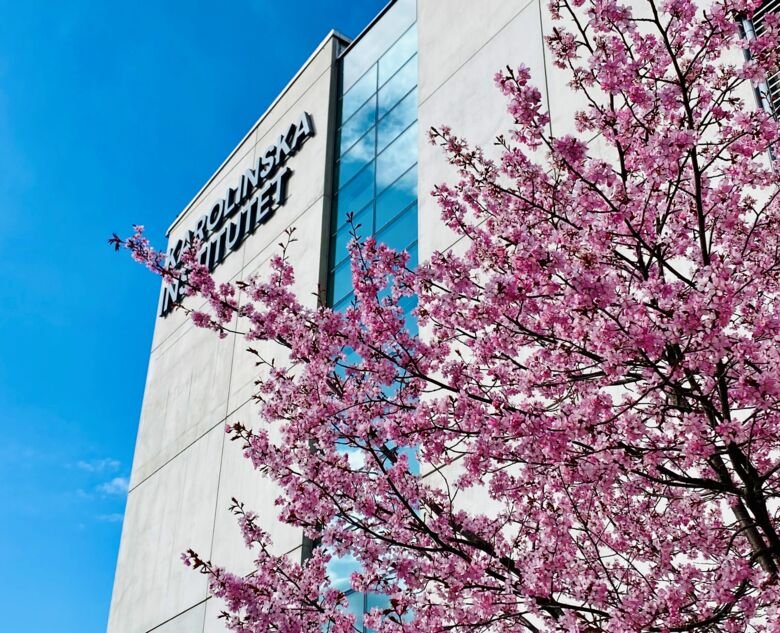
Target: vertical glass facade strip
x=376, y=162
x=375, y=177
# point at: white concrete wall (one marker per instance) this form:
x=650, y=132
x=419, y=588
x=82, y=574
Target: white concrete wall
x=460, y=51
x=184, y=471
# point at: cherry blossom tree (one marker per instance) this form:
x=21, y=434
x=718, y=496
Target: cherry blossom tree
x=585, y=434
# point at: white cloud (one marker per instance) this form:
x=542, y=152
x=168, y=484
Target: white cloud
x=117, y=486
x=114, y=517
x=99, y=465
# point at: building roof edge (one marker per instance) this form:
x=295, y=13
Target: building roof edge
x=332, y=34
x=369, y=26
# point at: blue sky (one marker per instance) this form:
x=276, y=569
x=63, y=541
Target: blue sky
x=111, y=113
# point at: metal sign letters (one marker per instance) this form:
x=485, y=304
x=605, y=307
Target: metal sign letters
x=258, y=193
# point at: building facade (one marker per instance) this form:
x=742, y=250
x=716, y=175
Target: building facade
x=346, y=138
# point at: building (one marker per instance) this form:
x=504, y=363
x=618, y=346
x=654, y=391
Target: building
x=346, y=135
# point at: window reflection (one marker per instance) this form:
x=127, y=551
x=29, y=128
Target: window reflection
x=358, y=156
x=397, y=120
x=340, y=568
x=355, y=194
x=376, y=41
x=396, y=197
x=377, y=601
x=358, y=94
x=408, y=304
x=356, y=607
x=361, y=224
x=398, y=86
x=358, y=124
x=377, y=183
x=341, y=281
x=401, y=51
x=343, y=304
x=396, y=158
x=401, y=232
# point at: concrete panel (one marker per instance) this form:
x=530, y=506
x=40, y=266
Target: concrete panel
x=308, y=224
x=172, y=325
x=191, y=621
x=246, y=372
x=186, y=395
x=305, y=255
x=168, y=513
x=562, y=101
x=211, y=621
x=239, y=479
x=307, y=182
x=457, y=88
x=451, y=38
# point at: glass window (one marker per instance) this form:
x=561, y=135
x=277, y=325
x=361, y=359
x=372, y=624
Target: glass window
x=396, y=197
x=401, y=51
x=343, y=304
x=377, y=154
x=355, y=194
x=359, y=123
x=397, y=120
x=398, y=86
x=339, y=241
x=396, y=158
x=376, y=601
x=358, y=156
x=401, y=232
x=412, y=250
x=376, y=41
x=408, y=304
x=356, y=606
x=358, y=94
x=342, y=281
x=340, y=568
